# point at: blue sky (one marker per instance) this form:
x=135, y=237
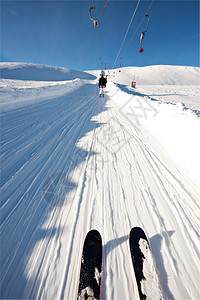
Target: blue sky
x=60, y=33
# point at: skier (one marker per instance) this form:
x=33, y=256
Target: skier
x=102, y=85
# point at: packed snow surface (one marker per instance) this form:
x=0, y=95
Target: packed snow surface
x=150, y=283
x=72, y=162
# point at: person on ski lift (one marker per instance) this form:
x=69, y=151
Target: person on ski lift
x=102, y=85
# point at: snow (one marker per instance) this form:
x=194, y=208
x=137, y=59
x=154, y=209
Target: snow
x=171, y=124
x=24, y=71
x=155, y=75
x=72, y=162
x=150, y=285
x=18, y=94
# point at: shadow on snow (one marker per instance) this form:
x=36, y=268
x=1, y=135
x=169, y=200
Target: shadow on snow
x=39, y=152
x=134, y=92
x=156, y=243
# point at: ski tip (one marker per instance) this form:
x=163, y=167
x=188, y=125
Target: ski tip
x=136, y=234
x=138, y=231
x=93, y=235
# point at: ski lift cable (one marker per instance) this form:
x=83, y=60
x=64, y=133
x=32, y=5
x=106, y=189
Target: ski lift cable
x=147, y=23
x=103, y=8
x=94, y=9
x=143, y=35
x=126, y=32
x=95, y=19
x=138, y=27
x=99, y=43
x=98, y=35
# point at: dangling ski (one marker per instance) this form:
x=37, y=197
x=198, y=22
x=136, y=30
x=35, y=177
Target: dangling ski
x=91, y=267
x=145, y=271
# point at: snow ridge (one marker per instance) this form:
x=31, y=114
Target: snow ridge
x=24, y=71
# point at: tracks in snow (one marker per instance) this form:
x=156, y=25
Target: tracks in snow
x=80, y=164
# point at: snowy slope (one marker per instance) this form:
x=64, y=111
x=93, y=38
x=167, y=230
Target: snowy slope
x=155, y=75
x=159, y=75
x=24, y=84
x=72, y=162
x=18, y=93
x=24, y=71
x=166, y=83
x=171, y=84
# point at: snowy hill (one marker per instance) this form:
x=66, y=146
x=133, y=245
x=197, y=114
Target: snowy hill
x=72, y=162
x=24, y=71
x=25, y=84
x=172, y=84
x=155, y=75
x=159, y=75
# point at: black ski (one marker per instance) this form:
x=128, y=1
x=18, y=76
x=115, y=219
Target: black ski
x=145, y=271
x=91, y=267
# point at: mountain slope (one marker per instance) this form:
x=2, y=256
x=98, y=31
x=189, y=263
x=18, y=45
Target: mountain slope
x=155, y=75
x=72, y=162
x=24, y=71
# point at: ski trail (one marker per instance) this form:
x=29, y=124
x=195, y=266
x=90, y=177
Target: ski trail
x=81, y=164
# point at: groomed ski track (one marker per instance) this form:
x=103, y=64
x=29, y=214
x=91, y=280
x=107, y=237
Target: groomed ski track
x=76, y=163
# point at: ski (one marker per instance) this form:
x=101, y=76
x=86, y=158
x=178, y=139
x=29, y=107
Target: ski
x=91, y=267
x=143, y=264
